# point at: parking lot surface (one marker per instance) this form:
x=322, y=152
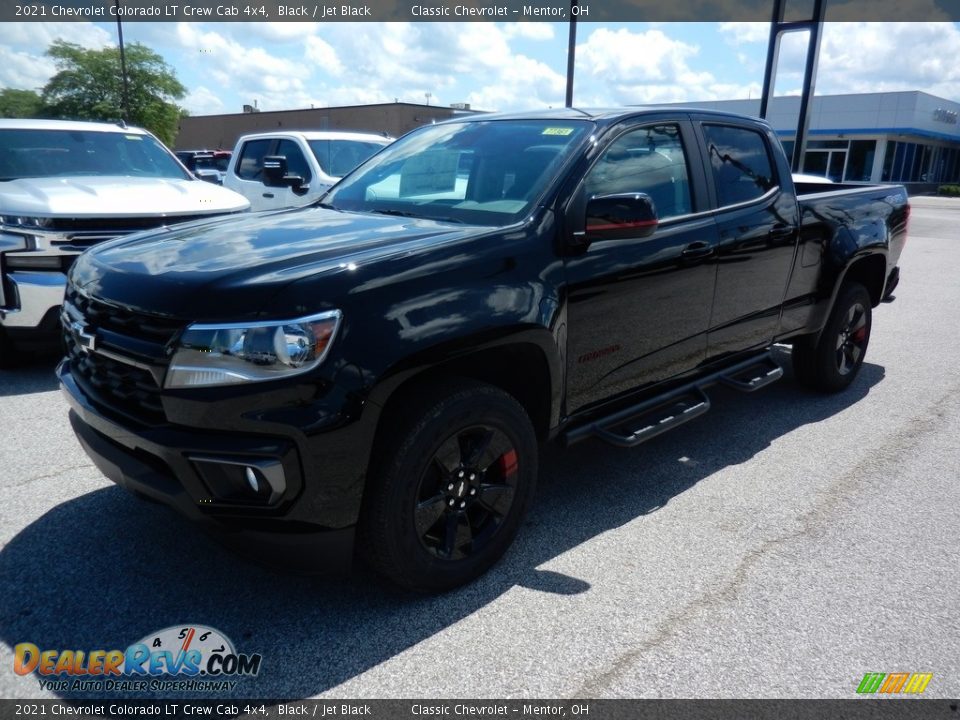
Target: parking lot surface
x=781, y=546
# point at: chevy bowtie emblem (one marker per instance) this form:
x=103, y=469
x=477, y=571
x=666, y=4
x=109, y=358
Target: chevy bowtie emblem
x=85, y=339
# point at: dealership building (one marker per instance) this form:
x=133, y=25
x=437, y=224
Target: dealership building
x=393, y=119
x=904, y=137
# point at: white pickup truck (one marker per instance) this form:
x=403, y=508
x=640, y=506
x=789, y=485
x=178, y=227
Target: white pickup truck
x=65, y=186
x=294, y=168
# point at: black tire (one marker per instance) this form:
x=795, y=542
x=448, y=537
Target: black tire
x=830, y=362
x=8, y=354
x=450, y=489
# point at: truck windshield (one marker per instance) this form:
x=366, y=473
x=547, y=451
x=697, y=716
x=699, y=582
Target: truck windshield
x=62, y=153
x=483, y=173
x=338, y=157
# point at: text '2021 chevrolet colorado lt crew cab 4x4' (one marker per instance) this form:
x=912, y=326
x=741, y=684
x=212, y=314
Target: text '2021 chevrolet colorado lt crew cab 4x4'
x=381, y=367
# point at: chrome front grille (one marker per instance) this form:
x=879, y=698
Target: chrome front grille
x=81, y=233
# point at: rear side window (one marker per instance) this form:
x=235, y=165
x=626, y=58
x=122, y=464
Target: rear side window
x=339, y=157
x=741, y=165
x=250, y=165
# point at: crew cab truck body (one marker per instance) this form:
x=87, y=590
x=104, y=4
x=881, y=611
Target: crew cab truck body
x=65, y=186
x=294, y=168
x=380, y=367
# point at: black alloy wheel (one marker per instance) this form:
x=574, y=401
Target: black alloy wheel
x=450, y=485
x=830, y=361
x=466, y=492
x=852, y=339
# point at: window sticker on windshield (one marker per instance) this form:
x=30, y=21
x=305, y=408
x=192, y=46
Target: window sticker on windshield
x=434, y=171
x=133, y=137
x=556, y=131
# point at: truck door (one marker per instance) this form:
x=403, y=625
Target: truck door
x=638, y=308
x=249, y=180
x=757, y=220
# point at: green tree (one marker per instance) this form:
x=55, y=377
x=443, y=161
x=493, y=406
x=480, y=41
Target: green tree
x=89, y=86
x=19, y=103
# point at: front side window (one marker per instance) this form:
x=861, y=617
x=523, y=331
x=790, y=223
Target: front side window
x=63, y=153
x=649, y=160
x=250, y=165
x=741, y=165
x=296, y=162
x=480, y=172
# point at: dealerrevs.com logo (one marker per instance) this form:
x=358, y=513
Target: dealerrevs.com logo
x=181, y=657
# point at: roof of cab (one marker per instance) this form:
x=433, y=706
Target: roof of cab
x=320, y=135
x=607, y=115
x=67, y=126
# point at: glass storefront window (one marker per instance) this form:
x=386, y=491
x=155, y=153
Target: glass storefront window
x=860, y=160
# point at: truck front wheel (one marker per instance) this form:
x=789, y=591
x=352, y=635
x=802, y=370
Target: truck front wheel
x=450, y=489
x=831, y=362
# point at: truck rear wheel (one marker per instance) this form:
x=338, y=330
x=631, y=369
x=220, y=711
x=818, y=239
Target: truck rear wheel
x=8, y=355
x=831, y=362
x=450, y=490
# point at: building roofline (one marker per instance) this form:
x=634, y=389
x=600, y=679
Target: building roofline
x=340, y=107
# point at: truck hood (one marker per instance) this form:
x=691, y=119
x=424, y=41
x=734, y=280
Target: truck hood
x=230, y=268
x=115, y=196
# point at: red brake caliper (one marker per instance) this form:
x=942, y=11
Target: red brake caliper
x=508, y=463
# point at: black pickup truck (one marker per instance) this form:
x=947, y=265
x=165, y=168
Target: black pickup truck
x=380, y=367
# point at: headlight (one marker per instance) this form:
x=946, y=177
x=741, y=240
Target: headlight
x=210, y=354
x=23, y=222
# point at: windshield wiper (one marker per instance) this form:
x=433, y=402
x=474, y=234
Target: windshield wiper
x=407, y=213
x=400, y=213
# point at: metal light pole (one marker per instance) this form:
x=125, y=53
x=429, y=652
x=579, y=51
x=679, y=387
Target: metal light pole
x=123, y=66
x=571, y=53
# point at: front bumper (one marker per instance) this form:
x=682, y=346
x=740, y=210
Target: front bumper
x=310, y=528
x=32, y=295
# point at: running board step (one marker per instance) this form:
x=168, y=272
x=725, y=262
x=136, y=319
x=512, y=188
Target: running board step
x=656, y=420
x=754, y=377
x=637, y=424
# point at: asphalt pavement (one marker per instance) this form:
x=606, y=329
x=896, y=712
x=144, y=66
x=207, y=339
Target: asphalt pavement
x=782, y=545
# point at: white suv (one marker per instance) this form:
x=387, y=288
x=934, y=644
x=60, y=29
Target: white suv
x=65, y=186
x=294, y=168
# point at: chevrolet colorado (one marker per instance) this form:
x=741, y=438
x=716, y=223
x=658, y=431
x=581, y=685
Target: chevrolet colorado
x=381, y=366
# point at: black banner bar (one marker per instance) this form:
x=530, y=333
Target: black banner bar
x=853, y=709
x=458, y=10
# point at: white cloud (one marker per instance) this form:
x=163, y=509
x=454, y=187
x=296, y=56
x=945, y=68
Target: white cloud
x=323, y=56
x=254, y=73
x=862, y=57
x=281, y=31
x=524, y=84
x=23, y=64
x=23, y=71
x=203, y=101
x=530, y=30
x=38, y=36
x=622, y=67
x=740, y=33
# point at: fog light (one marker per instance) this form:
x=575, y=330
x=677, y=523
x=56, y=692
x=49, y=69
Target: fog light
x=243, y=481
x=252, y=480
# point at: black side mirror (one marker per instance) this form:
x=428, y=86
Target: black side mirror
x=275, y=173
x=627, y=215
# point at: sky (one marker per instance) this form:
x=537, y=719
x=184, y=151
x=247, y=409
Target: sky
x=497, y=66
